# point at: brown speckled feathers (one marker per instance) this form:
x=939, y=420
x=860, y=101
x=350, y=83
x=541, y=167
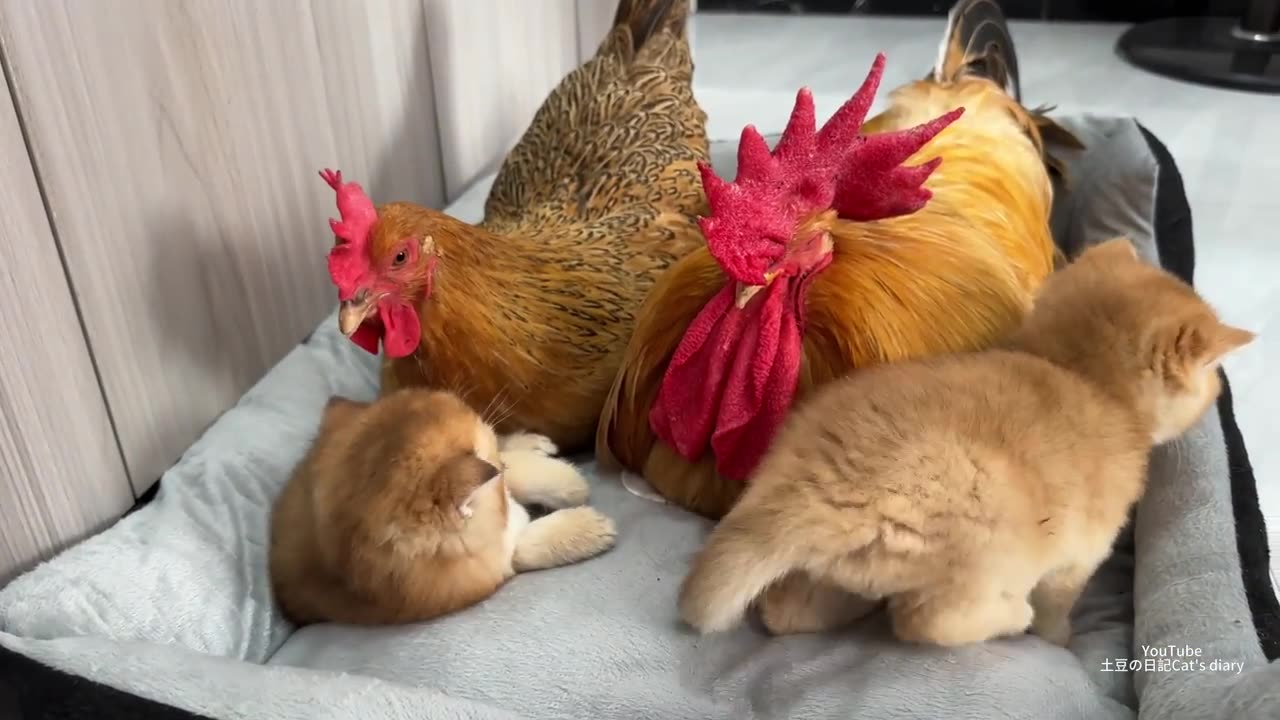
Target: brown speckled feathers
x=610, y=156
x=534, y=306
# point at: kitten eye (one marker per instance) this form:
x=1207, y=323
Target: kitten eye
x=400, y=258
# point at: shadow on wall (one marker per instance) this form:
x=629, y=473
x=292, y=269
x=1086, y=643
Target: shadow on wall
x=395, y=174
x=232, y=295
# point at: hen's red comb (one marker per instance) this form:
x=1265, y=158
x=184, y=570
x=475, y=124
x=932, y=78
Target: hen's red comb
x=860, y=176
x=348, y=259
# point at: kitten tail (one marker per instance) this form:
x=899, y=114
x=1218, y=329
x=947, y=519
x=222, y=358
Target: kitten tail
x=741, y=559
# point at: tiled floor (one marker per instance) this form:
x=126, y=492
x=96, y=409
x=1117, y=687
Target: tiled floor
x=1226, y=143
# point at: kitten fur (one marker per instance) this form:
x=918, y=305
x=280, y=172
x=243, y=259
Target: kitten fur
x=978, y=492
x=410, y=507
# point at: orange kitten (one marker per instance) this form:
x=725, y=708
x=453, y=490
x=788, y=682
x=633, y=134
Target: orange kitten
x=410, y=507
x=976, y=492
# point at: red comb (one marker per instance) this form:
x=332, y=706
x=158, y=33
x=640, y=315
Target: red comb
x=860, y=176
x=348, y=260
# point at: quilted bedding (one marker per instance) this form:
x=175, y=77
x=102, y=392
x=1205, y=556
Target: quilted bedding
x=169, y=612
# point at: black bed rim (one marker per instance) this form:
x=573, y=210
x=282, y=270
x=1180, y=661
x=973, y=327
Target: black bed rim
x=32, y=691
x=1175, y=242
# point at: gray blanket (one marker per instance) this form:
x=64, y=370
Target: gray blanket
x=173, y=604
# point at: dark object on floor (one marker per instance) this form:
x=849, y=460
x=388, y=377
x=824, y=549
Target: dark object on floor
x=1241, y=53
x=31, y=691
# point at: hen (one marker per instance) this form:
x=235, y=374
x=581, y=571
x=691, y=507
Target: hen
x=828, y=254
x=526, y=314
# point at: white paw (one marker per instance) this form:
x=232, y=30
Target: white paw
x=1058, y=633
x=528, y=442
x=534, y=478
x=591, y=531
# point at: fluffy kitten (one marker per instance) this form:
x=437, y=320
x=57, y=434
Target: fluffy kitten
x=976, y=492
x=410, y=507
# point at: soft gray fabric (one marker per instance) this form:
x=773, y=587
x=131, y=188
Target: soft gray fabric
x=1188, y=593
x=1108, y=192
x=172, y=603
x=189, y=568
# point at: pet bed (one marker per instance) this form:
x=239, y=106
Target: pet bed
x=168, y=614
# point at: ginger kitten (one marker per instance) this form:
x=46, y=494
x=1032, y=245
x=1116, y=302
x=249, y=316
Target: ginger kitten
x=977, y=492
x=410, y=507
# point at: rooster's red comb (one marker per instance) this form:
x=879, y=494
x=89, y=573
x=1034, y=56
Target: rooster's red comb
x=348, y=259
x=860, y=176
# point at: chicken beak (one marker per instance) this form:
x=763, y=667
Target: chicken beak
x=744, y=294
x=351, y=313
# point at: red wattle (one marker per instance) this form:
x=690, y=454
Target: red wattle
x=733, y=377
x=683, y=413
x=402, y=330
x=367, y=337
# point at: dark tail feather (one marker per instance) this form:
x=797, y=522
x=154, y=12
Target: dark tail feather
x=977, y=42
x=1054, y=135
x=646, y=18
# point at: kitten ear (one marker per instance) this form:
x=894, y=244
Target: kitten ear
x=467, y=477
x=466, y=507
x=1200, y=346
x=1117, y=248
x=1224, y=340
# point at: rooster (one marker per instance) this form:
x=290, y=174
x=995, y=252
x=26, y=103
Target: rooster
x=527, y=313
x=924, y=230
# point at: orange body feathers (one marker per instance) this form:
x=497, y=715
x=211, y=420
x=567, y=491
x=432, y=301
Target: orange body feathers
x=952, y=276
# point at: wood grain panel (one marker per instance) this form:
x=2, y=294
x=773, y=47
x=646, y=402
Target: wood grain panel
x=179, y=142
x=495, y=62
x=61, y=475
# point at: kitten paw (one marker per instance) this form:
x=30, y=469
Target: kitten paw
x=588, y=530
x=702, y=607
x=957, y=616
x=563, y=537
x=1058, y=633
x=535, y=479
x=798, y=604
x=528, y=442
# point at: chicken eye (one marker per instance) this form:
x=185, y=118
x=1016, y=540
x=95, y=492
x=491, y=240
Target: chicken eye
x=400, y=258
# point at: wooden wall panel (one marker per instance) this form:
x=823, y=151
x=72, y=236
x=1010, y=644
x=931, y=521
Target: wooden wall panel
x=179, y=142
x=495, y=61
x=61, y=475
